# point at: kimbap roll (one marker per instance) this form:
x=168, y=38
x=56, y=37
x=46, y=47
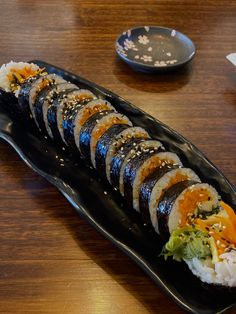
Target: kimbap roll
x=196, y=225
x=137, y=169
x=197, y=200
x=89, y=110
x=67, y=114
x=48, y=83
x=144, y=148
x=160, y=187
x=55, y=111
x=104, y=143
x=103, y=125
x=121, y=144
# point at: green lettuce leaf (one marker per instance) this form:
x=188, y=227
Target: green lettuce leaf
x=187, y=243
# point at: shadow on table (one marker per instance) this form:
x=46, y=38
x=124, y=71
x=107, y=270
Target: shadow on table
x=152, y=83
x=126, y=273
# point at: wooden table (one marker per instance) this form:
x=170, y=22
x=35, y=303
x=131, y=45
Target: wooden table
x=52, y=261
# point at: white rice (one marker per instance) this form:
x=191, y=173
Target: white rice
x=144, y=147
x=7, y=69
x=71, y=99
x=164, y=183
x=121, y=139
x=104, y=124
x=206, y=206
x=221, y=273
x=100, y=104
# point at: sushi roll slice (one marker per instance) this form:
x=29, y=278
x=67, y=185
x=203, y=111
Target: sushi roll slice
x=45, y=100
x=181, y=202
x=86, y=132
x=103, y=145
x=102, y=126
x=198, y=199
x=110, y=143
x=219, y=228
x=95, y=127
x=44, y=84
x=121, y=144
x=141, y=151
x=14, y=74
x=220, y=273
x=42, y=111
x=118, y=159
x=137, y=170
x=170, y=161
x=55, y=109
x=83, y=115
x=204, y=235
x=16, y=79
x=67, y=114
x=153, y=189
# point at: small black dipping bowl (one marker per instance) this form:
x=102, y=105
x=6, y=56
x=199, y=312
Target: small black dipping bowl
x=153, y=49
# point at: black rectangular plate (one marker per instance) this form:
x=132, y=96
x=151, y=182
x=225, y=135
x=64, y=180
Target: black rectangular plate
x=107, y=212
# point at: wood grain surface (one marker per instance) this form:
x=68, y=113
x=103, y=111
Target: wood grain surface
x=51, y=261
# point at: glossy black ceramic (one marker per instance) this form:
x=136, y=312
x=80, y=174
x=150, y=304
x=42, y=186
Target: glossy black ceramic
x=153, y=49
x=102, y=207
